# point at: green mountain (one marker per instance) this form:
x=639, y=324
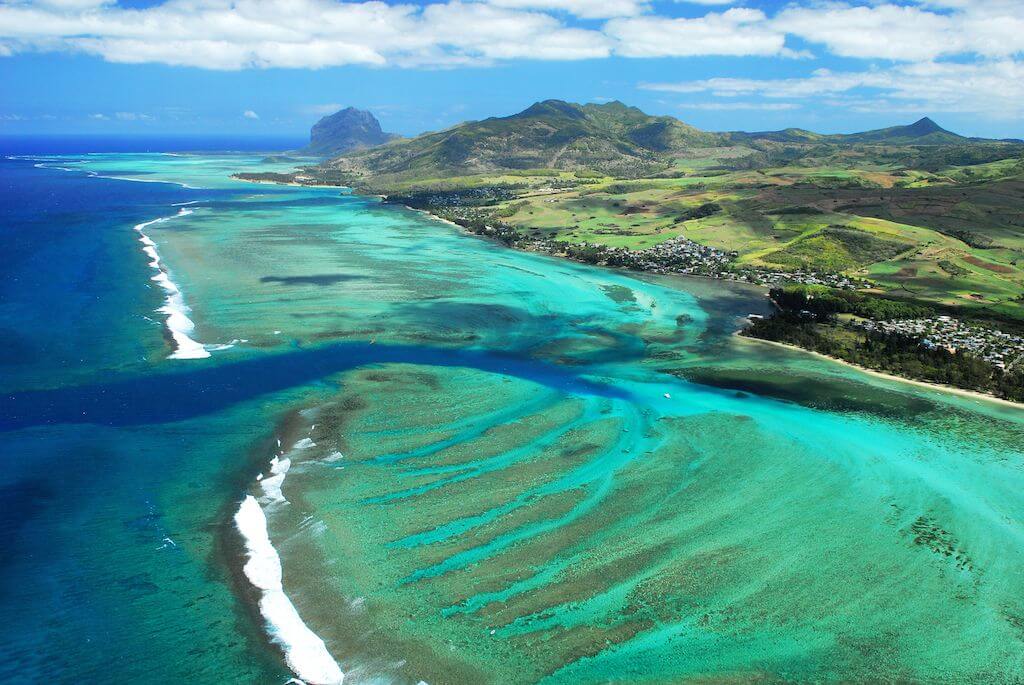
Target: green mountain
x=612, y=138
x=789, y=135
x=623, y=141
x=344, y=131
x=922, y=132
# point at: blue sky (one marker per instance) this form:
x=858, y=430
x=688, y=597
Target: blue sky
x=275, y=66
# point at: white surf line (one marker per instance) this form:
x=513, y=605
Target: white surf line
x=145, y=180
x=177, y=321
x=175, y=309
x=304, y=651
x=47, y=164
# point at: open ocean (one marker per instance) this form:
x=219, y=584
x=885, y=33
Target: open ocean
x=258, y=432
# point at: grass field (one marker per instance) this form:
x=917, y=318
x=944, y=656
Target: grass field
x=954, y=236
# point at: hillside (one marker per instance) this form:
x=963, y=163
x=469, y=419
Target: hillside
x=610, y=138
x=344, y=131
x=617, y=140
x=921, y=132
x=912, y=221
x=916, y=211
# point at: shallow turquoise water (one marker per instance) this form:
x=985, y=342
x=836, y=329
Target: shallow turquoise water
x=517, y=469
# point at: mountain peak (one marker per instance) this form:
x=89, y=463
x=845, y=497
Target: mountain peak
x=552, y=107
x=345, y=130
x=924, y=126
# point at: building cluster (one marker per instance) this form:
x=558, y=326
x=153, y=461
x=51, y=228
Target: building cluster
x=677, y=255
x=680, y=255
x=1000, y=349
x=776, y=278
x=439, y=201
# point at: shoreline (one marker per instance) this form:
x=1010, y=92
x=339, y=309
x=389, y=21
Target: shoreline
x=880, y=374
x=952, y=389
x=964, y=392
x=293, y=184
x=465, y=231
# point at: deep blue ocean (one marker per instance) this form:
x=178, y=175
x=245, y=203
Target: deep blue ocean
x=501, y=466
x=98, y=581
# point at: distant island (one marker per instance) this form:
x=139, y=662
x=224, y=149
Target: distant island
x=344, y=131
x=899, y=249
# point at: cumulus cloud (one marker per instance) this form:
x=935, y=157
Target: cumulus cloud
x=586, y=9
x=327, y=108
x=733, y=32
x=249, y=114
x=726, y=106
x=242, y=34
x=990, y=28
x=994, y=89
x=237, y=34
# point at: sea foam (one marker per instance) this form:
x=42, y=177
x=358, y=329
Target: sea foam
x=174, y=308
x=272, y=484
x=144, y=180
x=305, y=653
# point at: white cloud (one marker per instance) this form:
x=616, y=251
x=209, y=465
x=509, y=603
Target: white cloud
x=994, y=89
x=585, y=9
x=726, y=106
x=238, y=34
x=242, y=34
x=74, y=4
x=99, y=117
x=733, y=32
x=496, y=33
x=249, y=114
x=131, y=116
x=328, y=108
x=991, y=28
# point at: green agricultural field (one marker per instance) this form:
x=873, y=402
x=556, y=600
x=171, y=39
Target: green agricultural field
x=953, y=236
x=918, y=211
x=943, y=241
x=836, y=248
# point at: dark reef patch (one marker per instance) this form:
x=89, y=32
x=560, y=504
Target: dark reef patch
x=830, y=394
x=317, y=279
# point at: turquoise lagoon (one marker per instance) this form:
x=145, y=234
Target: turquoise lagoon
x=335, y=436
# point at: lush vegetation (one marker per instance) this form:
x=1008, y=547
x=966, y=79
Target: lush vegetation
x=920, y=212
x=808, y=317
x=823, y=303
x=933, y=221
x=610, y=139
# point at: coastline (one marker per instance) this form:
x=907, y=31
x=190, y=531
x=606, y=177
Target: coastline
x=963, y=392
x=952, y=389
x=465, y=231
x=427, y=446
x=925, y=384
x=294, y=184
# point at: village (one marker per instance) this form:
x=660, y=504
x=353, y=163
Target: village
x=1002, y=350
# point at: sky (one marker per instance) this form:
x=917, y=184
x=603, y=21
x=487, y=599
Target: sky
x=262, y=67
